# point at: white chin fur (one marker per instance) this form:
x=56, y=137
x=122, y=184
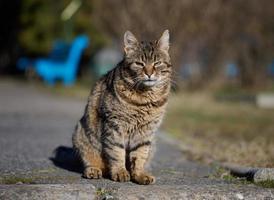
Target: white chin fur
x=149, y=83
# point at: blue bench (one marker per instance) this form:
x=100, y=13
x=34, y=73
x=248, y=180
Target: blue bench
x=62, y=63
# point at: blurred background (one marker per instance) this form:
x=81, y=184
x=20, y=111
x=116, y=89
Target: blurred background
x=222, y=52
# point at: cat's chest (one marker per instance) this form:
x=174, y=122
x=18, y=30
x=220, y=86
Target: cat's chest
x=143, y=120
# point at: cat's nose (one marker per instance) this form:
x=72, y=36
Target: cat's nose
x=148, y=72
x=149, y=75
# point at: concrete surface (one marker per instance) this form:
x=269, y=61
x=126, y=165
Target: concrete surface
x=37, y=162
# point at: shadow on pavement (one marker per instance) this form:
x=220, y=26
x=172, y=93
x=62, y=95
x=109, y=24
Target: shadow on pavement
x=66, y=158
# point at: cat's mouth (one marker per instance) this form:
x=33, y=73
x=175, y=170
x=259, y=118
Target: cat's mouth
x=149, y=82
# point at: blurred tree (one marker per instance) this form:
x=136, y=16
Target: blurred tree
x=9, y=21
x=41, y=24
x=206, y=32
x=214, y=31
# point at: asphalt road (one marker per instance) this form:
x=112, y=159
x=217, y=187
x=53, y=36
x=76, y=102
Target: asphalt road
x=36, y=157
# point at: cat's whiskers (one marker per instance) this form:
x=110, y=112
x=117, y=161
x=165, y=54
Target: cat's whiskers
x=136, y=84
x=135, y=81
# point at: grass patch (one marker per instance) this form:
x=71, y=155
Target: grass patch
x=169, y=171
x=16, y=180
x=221, y=131
x=221, y=173
x=266, y=184
x=80, y=89
x=77, y=90
x=103, y=193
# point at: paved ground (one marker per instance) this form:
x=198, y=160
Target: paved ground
x=33, y=124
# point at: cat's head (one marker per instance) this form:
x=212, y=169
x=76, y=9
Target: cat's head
x=148, y=62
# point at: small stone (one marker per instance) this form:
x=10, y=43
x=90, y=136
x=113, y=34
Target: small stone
x=108, y=197
x=265, y=174
x=239, y=196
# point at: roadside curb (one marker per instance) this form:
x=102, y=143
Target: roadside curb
x=256, y=175
x=47, y=191
x=133, y=192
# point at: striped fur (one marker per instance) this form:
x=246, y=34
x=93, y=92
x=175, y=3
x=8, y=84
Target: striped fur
x=115, y=135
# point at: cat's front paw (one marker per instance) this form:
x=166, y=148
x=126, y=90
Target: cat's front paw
x=143, y=178
x=92, y=173
x=121, y=175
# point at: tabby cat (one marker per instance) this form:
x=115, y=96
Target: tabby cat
x=115, y=135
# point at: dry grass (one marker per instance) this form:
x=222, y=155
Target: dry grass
x=225, y=132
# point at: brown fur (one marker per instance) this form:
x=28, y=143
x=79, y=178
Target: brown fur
x=115, y=135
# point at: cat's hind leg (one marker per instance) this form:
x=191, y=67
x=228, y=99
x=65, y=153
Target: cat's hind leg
x=92, y=171
x=91, y=157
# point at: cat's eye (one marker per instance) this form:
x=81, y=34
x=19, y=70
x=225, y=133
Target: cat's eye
x=157, y=63
x=140, y=64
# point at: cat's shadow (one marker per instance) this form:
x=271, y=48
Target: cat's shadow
x=65, y=157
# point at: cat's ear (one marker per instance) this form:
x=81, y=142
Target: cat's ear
x=130, y=42
x=163, y=42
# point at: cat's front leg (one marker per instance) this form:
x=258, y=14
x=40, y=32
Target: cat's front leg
x=139, y=155
x=114, y=153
